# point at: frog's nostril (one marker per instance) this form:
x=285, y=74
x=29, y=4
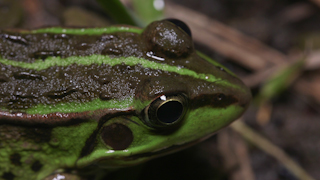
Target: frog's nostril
x=220, y=97
x=117, y=136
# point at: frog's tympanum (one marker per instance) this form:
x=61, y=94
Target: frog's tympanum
x=89, y=99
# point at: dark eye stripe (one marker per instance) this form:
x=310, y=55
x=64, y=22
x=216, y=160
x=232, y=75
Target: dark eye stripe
x=218, y=100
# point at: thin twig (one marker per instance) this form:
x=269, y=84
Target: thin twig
x=271, y=149
x=234, y=151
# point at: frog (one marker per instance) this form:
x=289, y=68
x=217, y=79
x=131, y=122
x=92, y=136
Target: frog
x=87, y=101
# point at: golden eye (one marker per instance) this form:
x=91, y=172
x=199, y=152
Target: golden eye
x=166, y=111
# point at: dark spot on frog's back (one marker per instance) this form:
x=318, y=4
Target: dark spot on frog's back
x=107, y=37
x=102, y=79
x=126, y=44
x=45, y=54
x=27, y=75
x=36, y=166
x=83, y=46
x=14, y=38
x=8, y=176
x=58, y=94
x=218, y=100
x=117, y=136
x=105, y=96
x=111, y=51
x=15, y=159
x=4, y=78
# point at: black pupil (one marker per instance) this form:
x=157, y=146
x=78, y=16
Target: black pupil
x=170, y=112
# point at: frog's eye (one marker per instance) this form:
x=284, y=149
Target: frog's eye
x=166, y=111
x=182, y=25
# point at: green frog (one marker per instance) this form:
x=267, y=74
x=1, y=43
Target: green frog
x=83, y=101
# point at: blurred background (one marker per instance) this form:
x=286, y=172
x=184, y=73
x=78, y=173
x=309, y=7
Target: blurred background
x=272, y=45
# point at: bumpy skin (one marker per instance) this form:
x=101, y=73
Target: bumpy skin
x=76, y=99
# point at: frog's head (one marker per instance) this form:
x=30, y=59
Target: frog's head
x=181, y=97
x=117, y=96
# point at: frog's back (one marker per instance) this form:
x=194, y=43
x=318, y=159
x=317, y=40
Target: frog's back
x=41, y=69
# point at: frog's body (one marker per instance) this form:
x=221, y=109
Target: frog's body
x=103, y=98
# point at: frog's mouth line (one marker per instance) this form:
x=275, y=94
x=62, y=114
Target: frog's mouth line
x=163, y=152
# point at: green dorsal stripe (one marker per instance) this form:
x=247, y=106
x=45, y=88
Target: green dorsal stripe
x=102, y=59
x=80, y=107
x=84, y=31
